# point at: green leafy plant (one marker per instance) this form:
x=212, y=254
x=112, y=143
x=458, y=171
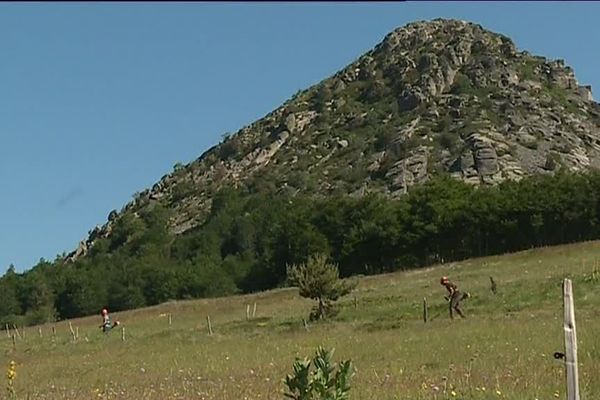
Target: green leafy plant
x=592, y=277
x=319, y=280
x=325, y=382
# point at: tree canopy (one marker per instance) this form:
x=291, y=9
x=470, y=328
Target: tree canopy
x=248, y=240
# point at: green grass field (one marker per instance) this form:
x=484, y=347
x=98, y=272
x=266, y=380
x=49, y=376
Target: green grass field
x=503, y=350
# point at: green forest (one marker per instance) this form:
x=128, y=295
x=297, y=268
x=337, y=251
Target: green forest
x=248, y=240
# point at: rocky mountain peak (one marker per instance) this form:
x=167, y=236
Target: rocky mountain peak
x=434, y=97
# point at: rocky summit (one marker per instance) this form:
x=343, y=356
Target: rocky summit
x=434, y=97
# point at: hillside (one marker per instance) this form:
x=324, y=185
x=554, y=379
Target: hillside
x=441, y=97
x=503, y=350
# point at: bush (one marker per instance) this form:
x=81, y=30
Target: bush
x=319, y=280
x=324, y=383
x=462, y=85
x=40, y=315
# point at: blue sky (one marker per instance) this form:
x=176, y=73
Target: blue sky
x=99, y=100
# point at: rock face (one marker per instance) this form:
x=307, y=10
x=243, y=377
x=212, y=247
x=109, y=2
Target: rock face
x=434, y=97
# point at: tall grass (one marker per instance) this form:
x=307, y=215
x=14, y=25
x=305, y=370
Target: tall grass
x=503, y=350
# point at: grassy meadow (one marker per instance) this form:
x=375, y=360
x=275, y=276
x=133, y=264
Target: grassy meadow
x=503, y=350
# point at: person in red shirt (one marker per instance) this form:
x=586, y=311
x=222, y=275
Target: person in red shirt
x=454, y=296
x=107, y=324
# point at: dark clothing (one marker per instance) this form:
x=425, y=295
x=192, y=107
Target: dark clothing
x=454, y=299
x=107, y=324
x=454, y=303
x=451, y=287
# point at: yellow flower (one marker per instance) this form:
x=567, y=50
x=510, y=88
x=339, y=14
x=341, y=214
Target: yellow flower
x=453, y=393
x=499, y=393
x=11, y=372
x=556, y=394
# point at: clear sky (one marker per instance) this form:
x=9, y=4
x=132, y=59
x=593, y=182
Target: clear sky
x=99, y=100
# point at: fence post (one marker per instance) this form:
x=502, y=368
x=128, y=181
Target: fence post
x=570, y=342
x=170, y=321
x=17, y=331
x=493, y=286
x=425, y=311
x=247, y=312
x=7, y=331
x=72, y=331
x=210, y=331
x=254, y=310
x=123, y=334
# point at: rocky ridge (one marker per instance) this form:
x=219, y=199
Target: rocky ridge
x=434, y=97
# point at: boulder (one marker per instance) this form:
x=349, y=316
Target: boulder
x=410, y=99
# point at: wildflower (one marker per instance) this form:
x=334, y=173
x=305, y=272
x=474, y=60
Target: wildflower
x=556, y=394
x=498, y=392
x=11, y=374
x=453, y=393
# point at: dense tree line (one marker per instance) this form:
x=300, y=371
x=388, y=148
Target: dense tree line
x=248, y=240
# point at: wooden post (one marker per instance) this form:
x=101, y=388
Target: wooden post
x=40, y=331
x=210, y=331
x=355, y=303
x=570, y=342
x=77, y=333
x=425, y=311
x=254, y=310
x=7, y=331
x=170, y=320
x=123, y=334
x=305, y=324
x=53, y=331
x=247, y=312
x=17, y=331
x=493, y=286
x=72, y=331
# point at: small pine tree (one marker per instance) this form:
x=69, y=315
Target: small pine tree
x=319, y=280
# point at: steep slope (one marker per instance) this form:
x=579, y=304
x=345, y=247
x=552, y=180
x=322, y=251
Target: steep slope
x=506, y=343
x=437, y=97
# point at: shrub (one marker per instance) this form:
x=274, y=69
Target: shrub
x=324, y=383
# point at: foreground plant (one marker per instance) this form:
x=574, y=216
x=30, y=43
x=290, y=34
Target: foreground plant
x=324, y=382
x=11, y=374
